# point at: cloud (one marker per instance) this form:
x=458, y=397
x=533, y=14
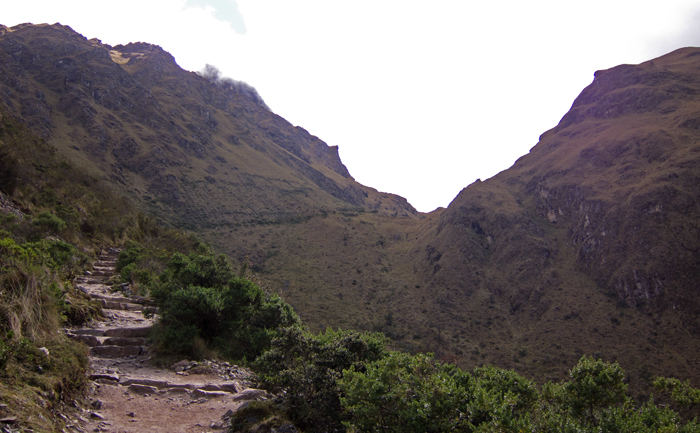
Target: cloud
x=224, y=10
x=213, y=74
x=687, y=34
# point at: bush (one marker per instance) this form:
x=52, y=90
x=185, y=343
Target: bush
x=49, y=222
x=201, y=299
x=408, y=393
x=415, y=393
x=307, y=368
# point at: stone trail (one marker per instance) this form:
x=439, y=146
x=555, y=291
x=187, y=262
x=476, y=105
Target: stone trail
x=129, y=393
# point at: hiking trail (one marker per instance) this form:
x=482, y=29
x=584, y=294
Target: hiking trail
x=129, y=394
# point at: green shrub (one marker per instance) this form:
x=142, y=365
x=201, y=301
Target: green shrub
x=415, y=393
x=201, y=299
x=408, y=393
x=307, y=368
x=49, y=222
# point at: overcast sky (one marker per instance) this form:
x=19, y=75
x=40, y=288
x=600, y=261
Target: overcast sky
x=421, y=97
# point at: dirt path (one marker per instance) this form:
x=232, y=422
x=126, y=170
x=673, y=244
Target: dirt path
x=129, y=394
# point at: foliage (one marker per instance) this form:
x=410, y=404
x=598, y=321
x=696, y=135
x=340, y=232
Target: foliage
x=308, y=367
x=414, y=393
x=49, y=222
x=201, y=300
x=683, y=398
x=594, y=386
x=407, y=393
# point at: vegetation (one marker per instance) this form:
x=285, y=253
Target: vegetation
x=54, y=219
x=205, y=306
x=415, y=393
x=306, y=367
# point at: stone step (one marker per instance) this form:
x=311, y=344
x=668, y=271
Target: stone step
x=112, y=298
x=89, y=340
x=112, y=377
x=122, y=341
x=159, y=384
x=141, y=331
x=209, y=394
x=92, y=280
x=112, y=305
x=116, y=351
x=226, y=387
x=87, y=331
x=142, y=385
x=101, y=340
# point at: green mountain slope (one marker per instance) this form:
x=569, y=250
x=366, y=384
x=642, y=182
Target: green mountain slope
x=587, y=245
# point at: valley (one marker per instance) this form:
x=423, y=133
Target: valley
x=588, y=245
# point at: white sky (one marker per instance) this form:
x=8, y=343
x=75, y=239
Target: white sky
x=421, y=97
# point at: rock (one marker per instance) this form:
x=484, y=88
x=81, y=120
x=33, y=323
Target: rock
x=116, y=351
x=179, y=390
x=211, y=387
x=89, y=340
x=228, y=387
x=285, y=428
x=181, y=365
x=96, y=415
x=209, y=394
x=97, y=404
x=120, y=341
x=146, y=382
x=201, y=369
x=95, y=332
x=107, y=376
x=44, y=350
x=128, y=332
x=232, y=387
x=216, y=425
x=250, y=394
x=142, y=389
x=188, y=386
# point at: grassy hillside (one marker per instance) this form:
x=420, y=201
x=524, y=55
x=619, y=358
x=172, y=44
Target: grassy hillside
x=54, y=219
x=587, y=245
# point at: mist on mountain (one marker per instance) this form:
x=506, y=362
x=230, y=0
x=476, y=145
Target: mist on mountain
x=213, y=74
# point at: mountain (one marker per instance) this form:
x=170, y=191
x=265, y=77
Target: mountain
x=589, y=244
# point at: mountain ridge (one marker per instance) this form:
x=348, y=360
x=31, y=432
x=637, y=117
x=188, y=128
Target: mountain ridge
x=586, y=245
